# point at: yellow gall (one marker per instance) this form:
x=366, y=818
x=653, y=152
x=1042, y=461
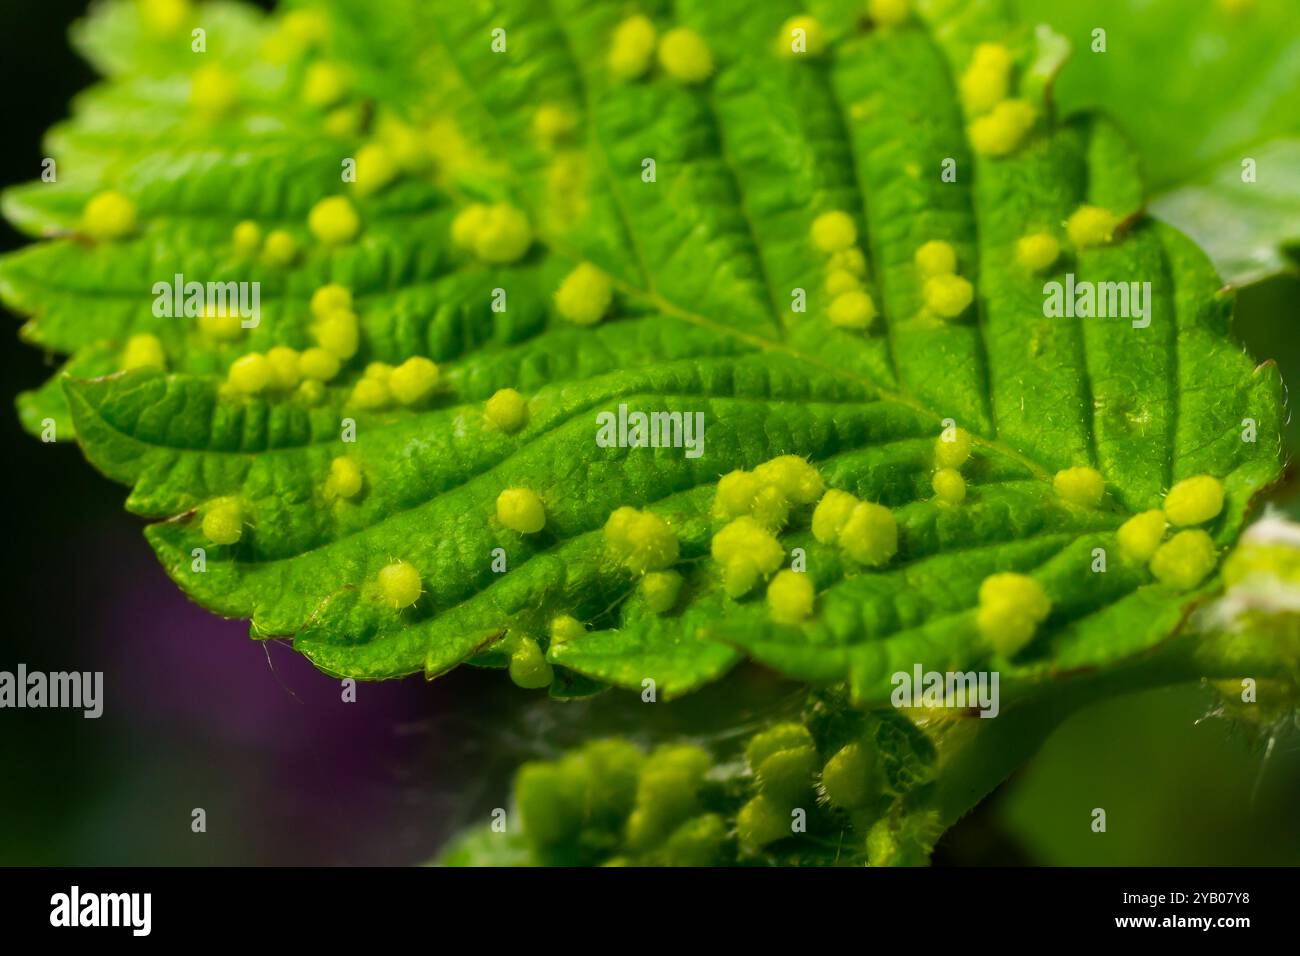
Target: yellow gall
x=250, y=374
x=832, y=514
x=952, y=448
x=143, y=351
x=584, y=296
x=801, y=36
x=852, y=310
x=399, y=584
x=246, y=239
x=506, y=410
x=947, y=296
x=223, y=521
x=870, y=536
x=632, y=48
x=1140, y=535
x=936, y=258
x=1184, y=560
x=519, y=509
x=1001, y=130
x=1091, y=226
x=1194, y=500
x=1037, y=251
x=1081, y=486
x=834, y=231
x=108, y=216
x=413, y=380
x=790, y=597
x=949, y=486
x=280, y=249
x=685, y=56
x=345, y=479
x=1011, y=606
x=333, y=221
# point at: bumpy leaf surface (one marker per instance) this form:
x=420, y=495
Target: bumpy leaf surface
x=704, y=260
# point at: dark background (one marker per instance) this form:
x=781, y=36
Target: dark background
x=197, y=715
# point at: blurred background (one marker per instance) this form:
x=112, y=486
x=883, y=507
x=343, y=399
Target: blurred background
x=198, y=716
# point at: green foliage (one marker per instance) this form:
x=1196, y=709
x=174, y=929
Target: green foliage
x=702, y=262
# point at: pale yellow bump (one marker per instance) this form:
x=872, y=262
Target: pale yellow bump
x=250, y=374
x=399, y=584
x=685, y=56
x=870, y=536
x=565, y=628
x=553, y=122
x=1037, y=251
x=143, y=351
x=221, y=325
x=986, y=81
x=1185, y=559
x=801, y=36
x=246, y=239
x=795, y=477
x=339, y=333
x=324, y=84
x=1001, y=130
x=952, y=448
x=345, y=479
x=832, y=514
x=936, y=258
x=1080, y=485
x=748, y=553
x=284, y=364
x=280, y=248
x=370, y=394
x=849, y=260
x=318, y=364
x=506, y=410
x=519, y=509
x=503, y=234
x=1194, y=500
x=949, y=486
x=640, y=540
x=223, y=521
x=632, y=48
x=890, y=13
x=1140, y=535
x=834, y=231
x=163, y=18
x=1011, y=606
x=108, y=216
x=660, y=590
x=947, y=296
x=414, y=379
x=213, y=91
x=840, y=281
x=584, y=296
x=852, y=310
x=790, y=597
x=1091, y=226
x=375, y=169
x=330, y=298
x=334, y=221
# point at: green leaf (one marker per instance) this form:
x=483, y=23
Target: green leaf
x=1248, y=226
x=1200, y=87
x=703, y=262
